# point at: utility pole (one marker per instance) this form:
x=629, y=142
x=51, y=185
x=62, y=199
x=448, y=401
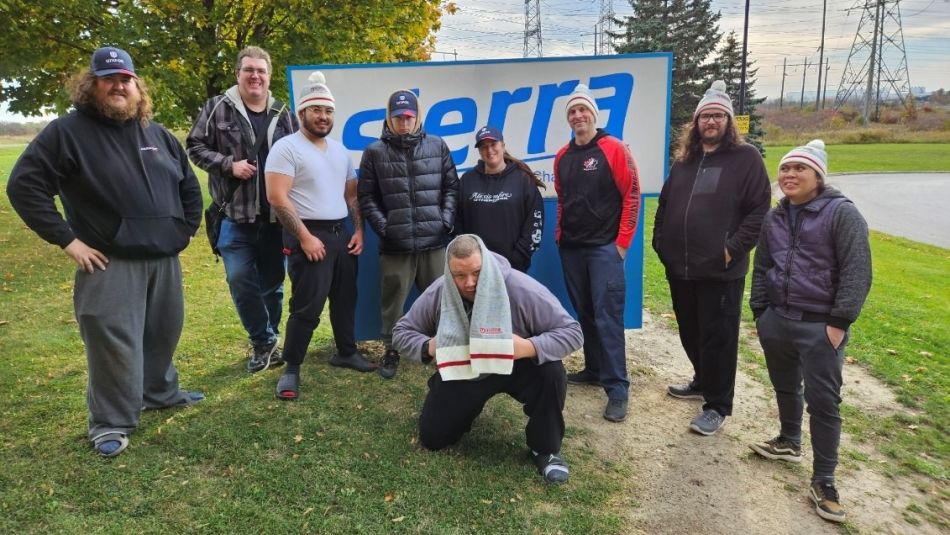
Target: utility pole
x=804, y=72
x=821, y=55
x=824, y=94
x=781, y=95
x=745, y=42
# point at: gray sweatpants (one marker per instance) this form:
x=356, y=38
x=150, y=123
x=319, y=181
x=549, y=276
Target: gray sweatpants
x=797, y=352
x=397, y=273
x=130, y=317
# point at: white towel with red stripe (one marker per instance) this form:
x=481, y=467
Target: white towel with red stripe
x=467, y=347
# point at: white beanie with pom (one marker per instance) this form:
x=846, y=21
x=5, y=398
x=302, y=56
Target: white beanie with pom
x=715, y=99
x=315, y=93
x=813, y=155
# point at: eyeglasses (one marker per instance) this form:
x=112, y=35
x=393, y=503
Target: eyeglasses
x=718, y=117
x=252, y=70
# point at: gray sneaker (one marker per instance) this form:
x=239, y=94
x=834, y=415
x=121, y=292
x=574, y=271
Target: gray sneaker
x=261, y=357
x=778, y=449
x=616, y=410
x=685, y=391
x=707, y=423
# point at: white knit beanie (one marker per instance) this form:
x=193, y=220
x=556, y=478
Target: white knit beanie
x=813, y=155
x=715, y=99
x=315, y=93
x=582, y=96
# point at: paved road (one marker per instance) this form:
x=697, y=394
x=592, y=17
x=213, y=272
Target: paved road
x=911, y=205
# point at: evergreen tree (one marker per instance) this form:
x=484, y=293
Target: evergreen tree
x=690, y=30
x=728, y=67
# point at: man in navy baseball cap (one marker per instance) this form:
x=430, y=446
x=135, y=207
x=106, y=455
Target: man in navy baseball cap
x=110, y=60
x=488, y=132
x=403, y=102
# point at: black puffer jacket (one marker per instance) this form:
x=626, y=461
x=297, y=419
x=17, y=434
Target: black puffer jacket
x=408, y=189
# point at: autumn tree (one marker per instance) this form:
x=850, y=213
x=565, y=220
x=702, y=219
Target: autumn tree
x=185, y=49
x=728, y=67
x=687, y=28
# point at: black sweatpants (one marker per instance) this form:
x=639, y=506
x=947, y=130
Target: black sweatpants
x=312, y=283
x=452, y=406
x=707, y=313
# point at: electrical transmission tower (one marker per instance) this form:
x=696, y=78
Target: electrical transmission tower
x=532, y=28
x=878, y=46
x=603, y=45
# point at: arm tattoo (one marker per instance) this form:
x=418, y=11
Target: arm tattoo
x=354, y=207
x=288, y=218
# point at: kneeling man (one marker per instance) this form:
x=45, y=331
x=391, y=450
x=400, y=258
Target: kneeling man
x=493, y=330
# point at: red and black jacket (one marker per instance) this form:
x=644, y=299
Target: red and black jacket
x=598, y=193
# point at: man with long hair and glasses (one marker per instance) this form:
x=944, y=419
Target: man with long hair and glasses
x=708, y=219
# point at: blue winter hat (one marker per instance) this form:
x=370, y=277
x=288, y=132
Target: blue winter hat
x=111, y=60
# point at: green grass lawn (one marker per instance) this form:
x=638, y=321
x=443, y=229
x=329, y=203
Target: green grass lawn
x=344, y=459
x=873, y=158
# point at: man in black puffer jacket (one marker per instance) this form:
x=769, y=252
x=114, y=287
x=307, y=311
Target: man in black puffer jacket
x=407, y=188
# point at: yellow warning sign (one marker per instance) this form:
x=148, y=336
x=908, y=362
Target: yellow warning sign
x=742, y=124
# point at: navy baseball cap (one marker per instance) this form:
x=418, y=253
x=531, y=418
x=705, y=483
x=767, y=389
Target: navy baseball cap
x=403, y=102
x=488, y=132
x=110, y=60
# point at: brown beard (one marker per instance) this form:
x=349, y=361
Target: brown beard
x=119, y=113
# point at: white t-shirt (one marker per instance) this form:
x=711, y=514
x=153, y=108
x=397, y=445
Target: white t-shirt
x=319, y=177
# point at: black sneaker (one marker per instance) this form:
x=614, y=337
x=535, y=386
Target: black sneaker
x=778, y=449
x=261, y=357
x=277, y=359
x=551, y=466
x=356, y=361
x=825, y=496
x=687, y=391
x=616, y=410
x=387, y=367
x=583, y=377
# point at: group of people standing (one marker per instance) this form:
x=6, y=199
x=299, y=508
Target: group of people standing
x=286, y=190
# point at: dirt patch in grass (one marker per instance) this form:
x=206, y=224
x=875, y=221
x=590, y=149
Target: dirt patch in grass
x=687, y=483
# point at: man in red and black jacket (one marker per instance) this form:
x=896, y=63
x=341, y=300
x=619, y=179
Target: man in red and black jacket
x=598, y=205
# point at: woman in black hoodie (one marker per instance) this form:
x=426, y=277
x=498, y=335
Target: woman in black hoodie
x=499, y=200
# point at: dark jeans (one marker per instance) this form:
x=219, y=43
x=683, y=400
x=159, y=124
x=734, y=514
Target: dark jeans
x=797, y=352
x=254, y=265
x=452, y=406
x=595, y=283
x=313, y=283
x=707, y=313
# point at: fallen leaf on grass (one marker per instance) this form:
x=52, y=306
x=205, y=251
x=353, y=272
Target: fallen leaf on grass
x=486, y=502
x=920, y=369
x=4, y=322
x=926, y=353
x=308, y=510
x=912, y=427
x=298, y=438
x=388, y=497
x=399, y=519
x=850, y=360
x=891, y=351
x=906, y=377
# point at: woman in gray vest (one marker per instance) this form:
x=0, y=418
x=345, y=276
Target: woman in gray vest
x=811, y=275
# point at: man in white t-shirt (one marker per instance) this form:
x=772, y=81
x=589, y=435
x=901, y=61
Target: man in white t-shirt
x=311, y=185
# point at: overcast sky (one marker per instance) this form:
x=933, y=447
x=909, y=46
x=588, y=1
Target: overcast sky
x=778, y=30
